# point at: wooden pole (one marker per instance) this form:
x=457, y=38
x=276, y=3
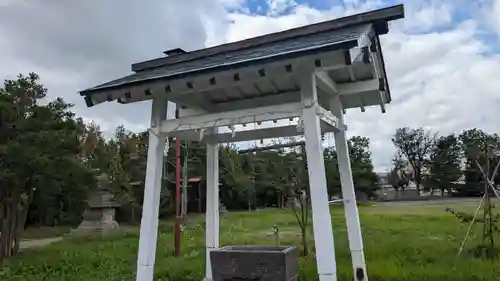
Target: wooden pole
x=152, y=190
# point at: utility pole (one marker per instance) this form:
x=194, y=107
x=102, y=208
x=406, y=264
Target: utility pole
x=177, y=235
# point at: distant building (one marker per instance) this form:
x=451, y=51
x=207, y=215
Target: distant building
x=383, y=178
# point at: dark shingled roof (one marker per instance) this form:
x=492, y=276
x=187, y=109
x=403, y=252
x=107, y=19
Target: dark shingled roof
x=347, y=36
x=378, y=17
x=341, y=33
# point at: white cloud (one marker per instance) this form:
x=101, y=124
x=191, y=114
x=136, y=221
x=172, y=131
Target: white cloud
x=429, y=14
x=445, y=80
x=277, y=7
x=76, y=45
x=442, y=80
x=245, y=25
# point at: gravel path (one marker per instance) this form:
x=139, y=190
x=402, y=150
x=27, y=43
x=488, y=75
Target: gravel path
x=36, y=243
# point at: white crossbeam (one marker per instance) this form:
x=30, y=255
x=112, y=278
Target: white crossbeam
x=244, y=116
x=256, y=102
x=327, y=117
x=248, y=135
x=230, y=118
x=358, y=87
x=325, y=83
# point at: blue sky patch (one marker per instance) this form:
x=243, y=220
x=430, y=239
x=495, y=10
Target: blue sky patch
x=262, y=7
x=462, y=10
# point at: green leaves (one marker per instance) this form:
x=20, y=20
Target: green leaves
x=39, y=147
x=437, y=162
x=415, y=145
x=444, y=163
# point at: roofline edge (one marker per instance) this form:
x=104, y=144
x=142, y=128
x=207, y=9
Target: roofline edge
x=347, y=45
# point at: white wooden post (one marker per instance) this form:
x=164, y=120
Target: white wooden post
x=212, y=208
x=322, y=224
x=152, y=189
x=349, y=196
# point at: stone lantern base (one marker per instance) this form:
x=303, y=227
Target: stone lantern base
x=99, y=218
x=97, y=222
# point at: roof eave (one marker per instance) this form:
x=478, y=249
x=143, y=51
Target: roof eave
x=388, y=89
x=346, y=45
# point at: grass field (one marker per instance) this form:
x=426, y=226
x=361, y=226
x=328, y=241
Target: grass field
x=403, y=242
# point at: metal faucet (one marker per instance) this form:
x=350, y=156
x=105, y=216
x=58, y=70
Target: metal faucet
x=276, y=231
x=276, y=234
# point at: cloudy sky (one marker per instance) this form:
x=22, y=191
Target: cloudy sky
x=443, y=59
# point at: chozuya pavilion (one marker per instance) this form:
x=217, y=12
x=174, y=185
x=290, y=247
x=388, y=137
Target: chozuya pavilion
x=314, y=72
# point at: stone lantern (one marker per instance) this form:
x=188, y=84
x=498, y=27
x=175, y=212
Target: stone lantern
x=99, y=217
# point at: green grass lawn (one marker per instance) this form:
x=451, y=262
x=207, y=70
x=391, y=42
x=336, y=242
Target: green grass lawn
x=401, y=243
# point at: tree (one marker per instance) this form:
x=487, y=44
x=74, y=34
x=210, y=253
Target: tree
x=125, y=170
x=398, y=176
x=473, y=143
x=299, y=190
x=399, y=163
x=397, y=180
x=490, y=220
x=415, y=145
x=269, y=173
x=365, y=180
x=233, y=176
x=94, y=151
x=332, y=171
x=39, y=148
x=444, y=164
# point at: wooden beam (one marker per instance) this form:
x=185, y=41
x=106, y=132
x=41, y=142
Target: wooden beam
x=182, y=89
x=378, y=74
x=325, y=83
x=236, y=117
x=382, y=104
x=249, y=135
x=152, y=187
x=252, y=74
x=257, y=102
x=327, y=117
x=271, y=147
x=222, y=79
x=358, y=87
x=351, y=74
x=227, y=79
x=322, y=225
x=362, y=104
